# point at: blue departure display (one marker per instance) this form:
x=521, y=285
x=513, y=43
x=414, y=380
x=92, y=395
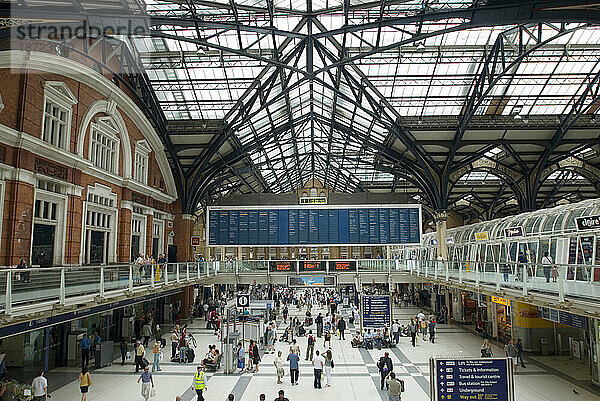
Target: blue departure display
x=314, y=226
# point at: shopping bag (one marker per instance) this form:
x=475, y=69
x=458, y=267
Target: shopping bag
x=153, y=392
x=128, y=356
x=161, y=356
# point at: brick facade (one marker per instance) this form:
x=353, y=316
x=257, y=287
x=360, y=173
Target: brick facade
x=25, y=159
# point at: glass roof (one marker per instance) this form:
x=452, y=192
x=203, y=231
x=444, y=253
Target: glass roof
x=270, y=70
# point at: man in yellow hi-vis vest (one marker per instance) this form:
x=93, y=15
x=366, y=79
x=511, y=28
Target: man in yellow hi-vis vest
x=199, y=382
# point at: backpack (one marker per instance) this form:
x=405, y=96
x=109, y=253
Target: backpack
x=311, y=340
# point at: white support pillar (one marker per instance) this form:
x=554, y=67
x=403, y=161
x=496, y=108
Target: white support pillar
x=440, y=218
x=130, y=277
x=101, y=288
x=62, y=294
x=8, y=307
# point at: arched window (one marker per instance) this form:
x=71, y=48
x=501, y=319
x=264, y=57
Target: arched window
x=104, y=144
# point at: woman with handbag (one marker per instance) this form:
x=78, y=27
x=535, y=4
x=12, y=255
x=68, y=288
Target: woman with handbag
x=328, y=366
x=85, y=381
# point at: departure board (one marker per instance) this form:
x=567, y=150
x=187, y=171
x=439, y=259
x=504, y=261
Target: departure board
x=312, y=225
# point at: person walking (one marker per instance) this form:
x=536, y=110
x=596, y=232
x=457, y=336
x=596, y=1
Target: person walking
x=139, y=356
x=511, y=351
x=424, y=329
x=319, y=322
x=278, y=362
x=432, y=325
x=547, y=263
x=158, y=333
x=395, y=387
x=40, y=387
x=318, y=363
x=327, y=340
x=146, y=333
x=385, y=366
x=519, y=346
x=328, y=366
x=147, y=383
x=310, y=347
x=396, y=332
x=342, y=327
x=412, y=327
x=199, y=382
x=294, y=358
x=86, y=344
x=183, y=347
x=241, y=357
x=174, y=342
x=156, y=355
x=123, y=349
x=85, y=381
x=255, y=355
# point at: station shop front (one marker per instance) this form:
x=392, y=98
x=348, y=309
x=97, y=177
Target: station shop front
x=47, y=348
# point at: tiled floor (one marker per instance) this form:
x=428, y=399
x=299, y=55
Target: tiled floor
x=355, y=375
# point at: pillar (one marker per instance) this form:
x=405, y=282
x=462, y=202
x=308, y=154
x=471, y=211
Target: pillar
x=440, y=218
x=183, y=227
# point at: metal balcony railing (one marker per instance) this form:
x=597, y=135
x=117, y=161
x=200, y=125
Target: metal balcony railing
x=20, y=288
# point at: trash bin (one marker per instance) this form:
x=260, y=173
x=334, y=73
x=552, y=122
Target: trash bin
x=104, y=354
x=545, y=346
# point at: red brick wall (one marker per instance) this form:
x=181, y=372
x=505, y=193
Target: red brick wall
x=18, y=217
x=22, y=95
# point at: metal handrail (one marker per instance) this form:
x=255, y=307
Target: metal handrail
x=575, y=280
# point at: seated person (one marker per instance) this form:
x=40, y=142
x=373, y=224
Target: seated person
x=386, y=338
x=378, y=339
x=211, y=357
x=357, y=341
x=369, y=339
x=301, y=331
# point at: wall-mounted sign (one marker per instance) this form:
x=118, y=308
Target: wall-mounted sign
x=500, y=301
x=196, y=241
x=376, y=311
x=472, y=379
x=482, y=236
x=513, y=232
x=339, y=265
x=243, y=300
x=450, y=240
x=282, y=266
x=313, y=200
x=313, y=266
x=588, y=223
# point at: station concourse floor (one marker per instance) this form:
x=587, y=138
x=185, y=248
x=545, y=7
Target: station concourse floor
x=354, y=378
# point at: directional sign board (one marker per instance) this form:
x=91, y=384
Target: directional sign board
x=243, y=300
x=376, y=311
x=472, y=379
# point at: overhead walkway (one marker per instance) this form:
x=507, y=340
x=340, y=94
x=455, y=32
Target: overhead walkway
x=38, y=293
